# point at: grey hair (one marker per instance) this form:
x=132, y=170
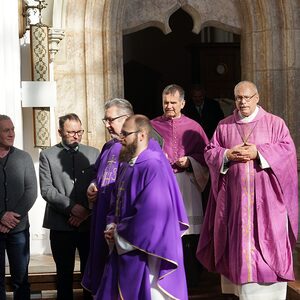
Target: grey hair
x=123, y=106
x=172, y=89
x=4, y=118
x=246, y=82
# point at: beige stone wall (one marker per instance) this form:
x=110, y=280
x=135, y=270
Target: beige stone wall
x=89, y=66
x=79, y=69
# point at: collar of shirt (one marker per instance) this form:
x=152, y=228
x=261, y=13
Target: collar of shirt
x=251, y=117
x=132, y=161
x=68, y=148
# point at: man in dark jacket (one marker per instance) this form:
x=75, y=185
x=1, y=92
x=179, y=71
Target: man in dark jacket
x=66, y=171
x=207, y=112
x=18, y=192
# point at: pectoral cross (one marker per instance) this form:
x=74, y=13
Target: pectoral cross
x=245, y=137
x=108, y=173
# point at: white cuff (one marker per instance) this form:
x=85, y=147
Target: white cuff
x=263, y=163
x=224, y=167
x=122, y=245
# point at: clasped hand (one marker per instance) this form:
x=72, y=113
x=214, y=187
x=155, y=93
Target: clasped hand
x=242, y=153
x=183, y=162
x=109, y=233
x=9, y=221
x=78, y=214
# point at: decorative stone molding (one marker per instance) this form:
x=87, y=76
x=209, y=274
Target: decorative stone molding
x=55, y=37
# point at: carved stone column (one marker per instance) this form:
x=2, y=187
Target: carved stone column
x=40, y=72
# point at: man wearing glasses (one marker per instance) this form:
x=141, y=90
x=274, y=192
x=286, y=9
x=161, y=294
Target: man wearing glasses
x=66, y=170
x=99, y=191
x=145, y=224
x=251, y=220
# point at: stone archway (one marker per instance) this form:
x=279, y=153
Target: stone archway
x=268, y=45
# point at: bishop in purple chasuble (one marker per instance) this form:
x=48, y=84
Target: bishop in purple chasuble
x=251, y=222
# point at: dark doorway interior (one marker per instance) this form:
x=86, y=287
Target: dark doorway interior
x=153, y=60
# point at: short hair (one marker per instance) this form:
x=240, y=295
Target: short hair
x=142, y=123
x=4, y=118
x=123, y=106
x=246, y=82
x=197, y=87
x=63, y=119
x=172, y=89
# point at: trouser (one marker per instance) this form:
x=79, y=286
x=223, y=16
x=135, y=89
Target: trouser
x=63, y=246
x=17, y=249
x=192, y=266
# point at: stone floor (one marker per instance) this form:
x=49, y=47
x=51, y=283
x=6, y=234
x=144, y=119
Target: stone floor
x=209, y=283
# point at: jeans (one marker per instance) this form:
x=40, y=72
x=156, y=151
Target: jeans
x=17, y=249
x=63, y=246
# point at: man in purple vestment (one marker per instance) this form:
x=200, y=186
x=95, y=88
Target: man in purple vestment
x=99, y=191
x=251, y=222
x=184, y=143
x=146, y=223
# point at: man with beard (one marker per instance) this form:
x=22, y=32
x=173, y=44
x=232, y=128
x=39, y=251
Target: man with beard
x=145, y=224
x=184, y=143
x=99, y=191
x=66, y=170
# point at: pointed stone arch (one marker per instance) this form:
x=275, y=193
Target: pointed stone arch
x=269, y=39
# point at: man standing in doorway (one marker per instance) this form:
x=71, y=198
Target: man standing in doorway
x=251, y=223
x=184, y=143
x=18, y=192
x=207, y=112
x=66, y=171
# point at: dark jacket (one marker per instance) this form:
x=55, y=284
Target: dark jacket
x=64, y=178
x=209, y=117
x=18, y=186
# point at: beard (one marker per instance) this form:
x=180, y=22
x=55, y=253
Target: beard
x=73, y=145
x=128, y=152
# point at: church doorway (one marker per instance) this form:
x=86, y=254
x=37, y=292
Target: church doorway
x=153, y=60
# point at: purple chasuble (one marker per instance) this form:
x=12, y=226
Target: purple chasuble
x=151, y=218
x=182, y=137
x=251, y=222
x=107, y=166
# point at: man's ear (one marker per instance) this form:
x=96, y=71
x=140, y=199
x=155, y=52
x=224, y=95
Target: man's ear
x=142, y=135
x=60, y=132
x=182, y=104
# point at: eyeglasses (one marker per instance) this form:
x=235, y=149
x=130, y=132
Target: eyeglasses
x=73, y=133
x=110, y=120
x=246, y=98
x=124, y=134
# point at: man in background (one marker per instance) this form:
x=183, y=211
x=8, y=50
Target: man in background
x=207, y=112
x=184, y=143
x=66, y=171
x=18, y=192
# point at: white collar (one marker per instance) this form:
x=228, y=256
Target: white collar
x=132, y=161
x=251, y=117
